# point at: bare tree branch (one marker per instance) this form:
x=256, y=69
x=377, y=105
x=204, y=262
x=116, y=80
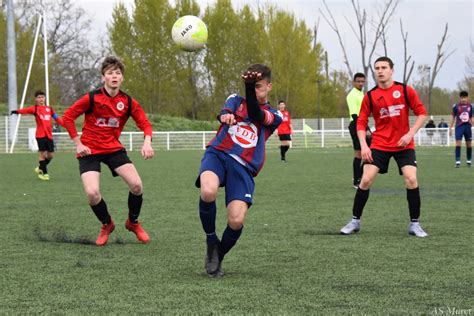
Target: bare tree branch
x=333, y=25
x=441, y=56
x=406, y=59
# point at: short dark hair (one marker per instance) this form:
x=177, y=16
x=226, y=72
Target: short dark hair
x=385, y=58
x=112, y=62
x=463, y=94
x=39, y=92
x=358, y=75
x=263, y=69
x=281, y=101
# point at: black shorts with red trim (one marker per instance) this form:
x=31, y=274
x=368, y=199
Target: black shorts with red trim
x=284, y=137
x=403, y=158
x=45, y=144
x=112, y=160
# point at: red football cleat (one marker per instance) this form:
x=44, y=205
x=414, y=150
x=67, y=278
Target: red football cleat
x=138, y=230
x=105, y=231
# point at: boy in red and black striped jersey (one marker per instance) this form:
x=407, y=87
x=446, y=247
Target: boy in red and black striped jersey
x=389, y=103
x=44, y=131
x=106, y=112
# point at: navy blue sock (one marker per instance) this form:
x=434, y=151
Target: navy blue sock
x=207, y=213
x=414, y=203
x=229, y=239
x=458, y=153
x=469, y=153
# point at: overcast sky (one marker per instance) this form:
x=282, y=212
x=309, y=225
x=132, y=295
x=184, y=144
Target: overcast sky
x=423, y=19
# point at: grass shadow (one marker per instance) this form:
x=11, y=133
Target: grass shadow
x=61, y=236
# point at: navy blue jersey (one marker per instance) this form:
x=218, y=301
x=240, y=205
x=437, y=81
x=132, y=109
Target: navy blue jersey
x=245, y=141
x=462, y=113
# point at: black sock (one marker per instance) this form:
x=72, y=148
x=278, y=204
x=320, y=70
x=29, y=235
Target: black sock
x=207, y=213
x=134, y=206
x=357, y=169
x=42, y=166
x=47, y=161
x=229, y=239
x=283, y=150
x=469, y=153
x=100, y=210
x=360, y=199
x=414, y=203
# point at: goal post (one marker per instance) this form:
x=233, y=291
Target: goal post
x=41, y=22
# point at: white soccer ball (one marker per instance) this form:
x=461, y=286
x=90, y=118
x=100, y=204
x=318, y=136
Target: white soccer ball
x=189, y=33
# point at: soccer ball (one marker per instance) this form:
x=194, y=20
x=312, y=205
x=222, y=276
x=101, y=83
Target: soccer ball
x=189, y=33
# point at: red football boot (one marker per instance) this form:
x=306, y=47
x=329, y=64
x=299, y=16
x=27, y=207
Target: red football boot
x=138, y=230
x=105, y=231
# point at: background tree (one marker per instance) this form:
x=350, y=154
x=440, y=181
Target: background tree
x=24, y=43
x=73, y=56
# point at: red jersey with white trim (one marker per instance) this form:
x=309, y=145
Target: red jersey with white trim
x=245, y=141
x=285, y=126
x=390, y=113
x=44, y=117
x=104, y=123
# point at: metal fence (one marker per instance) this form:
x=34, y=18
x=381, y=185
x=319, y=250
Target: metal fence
x=331, y=133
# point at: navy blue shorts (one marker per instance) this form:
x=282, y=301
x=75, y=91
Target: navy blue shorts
x=236, y=178
x=464, y=130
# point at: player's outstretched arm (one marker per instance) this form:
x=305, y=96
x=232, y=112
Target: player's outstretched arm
x=147, y=150
x=253, y=108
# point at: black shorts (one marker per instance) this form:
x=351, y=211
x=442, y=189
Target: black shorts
x=284, y=137
x=355, y=138
x=45, y=144
x=112, y=160
x=403, y=158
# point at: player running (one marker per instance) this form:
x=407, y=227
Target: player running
x=44, y=131
x=106, y=111
x=462, y=114
x=232, y=158
x=389, y=103
x=284, y=130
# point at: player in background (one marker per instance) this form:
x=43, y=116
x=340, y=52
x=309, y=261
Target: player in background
x=462, y=114
x=44, y=131
x=284, y=130
x=389, y=103
x=232, y=158
x=106, y=111
x=354, y=101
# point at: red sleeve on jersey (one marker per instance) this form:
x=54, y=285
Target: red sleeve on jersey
x=58, y=119
x=269, y=118
x=28, y=110
x=364, y=114
x=415, y=103
x=74, y=111
x=140, y=119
